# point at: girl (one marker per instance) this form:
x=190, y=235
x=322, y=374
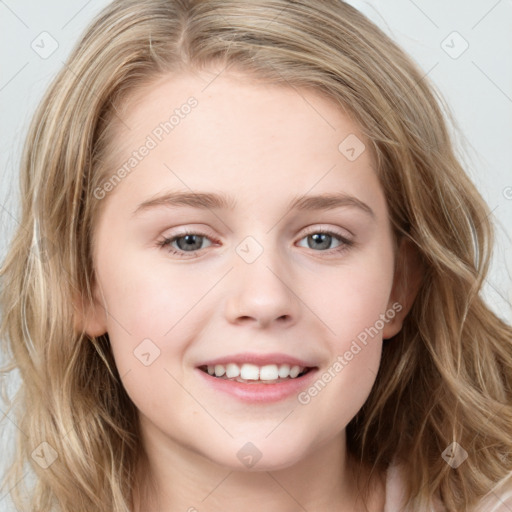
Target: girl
x=248, y=274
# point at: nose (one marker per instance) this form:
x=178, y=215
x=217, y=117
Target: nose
x=263, y=292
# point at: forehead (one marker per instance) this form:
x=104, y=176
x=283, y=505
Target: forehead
x=240, y=134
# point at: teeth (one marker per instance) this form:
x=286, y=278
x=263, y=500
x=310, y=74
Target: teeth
x=284, y=370
x=269, y=372
x=250, y=372
x=295, y=370
x=232, y=370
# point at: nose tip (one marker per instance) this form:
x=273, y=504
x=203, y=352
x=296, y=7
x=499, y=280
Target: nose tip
x=261, y=296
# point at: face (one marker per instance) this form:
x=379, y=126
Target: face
x=256, y=277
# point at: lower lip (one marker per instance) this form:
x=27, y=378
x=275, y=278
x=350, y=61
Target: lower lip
x=258, y=392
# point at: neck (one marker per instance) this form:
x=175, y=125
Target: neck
x=174, y=477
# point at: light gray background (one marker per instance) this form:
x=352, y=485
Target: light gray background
x=477, y=85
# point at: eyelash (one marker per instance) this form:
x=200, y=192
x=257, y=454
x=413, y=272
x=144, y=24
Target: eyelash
x=345, y=245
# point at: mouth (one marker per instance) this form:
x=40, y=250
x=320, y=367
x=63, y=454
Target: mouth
x=257, y=378
x=254, y=374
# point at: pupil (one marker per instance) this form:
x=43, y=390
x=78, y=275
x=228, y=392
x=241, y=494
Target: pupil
x=317, y=237
x=189, y=241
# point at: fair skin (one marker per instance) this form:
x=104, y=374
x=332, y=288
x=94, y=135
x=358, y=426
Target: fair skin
x=263, y=145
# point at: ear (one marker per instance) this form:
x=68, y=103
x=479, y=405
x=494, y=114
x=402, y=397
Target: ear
x=407, y=279
x=90, y=316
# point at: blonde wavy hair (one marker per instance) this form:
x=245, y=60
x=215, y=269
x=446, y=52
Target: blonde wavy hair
x=445, y=377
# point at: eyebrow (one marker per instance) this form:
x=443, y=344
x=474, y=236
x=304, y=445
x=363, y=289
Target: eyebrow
x=214, y=201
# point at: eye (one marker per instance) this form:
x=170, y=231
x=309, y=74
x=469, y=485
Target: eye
x=187, y=242
x=191, y=242
x=320, y=239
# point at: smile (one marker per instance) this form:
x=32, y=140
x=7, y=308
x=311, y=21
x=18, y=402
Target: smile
x=270, y=373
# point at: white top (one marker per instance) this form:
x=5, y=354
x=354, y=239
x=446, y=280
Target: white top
x=497, y=501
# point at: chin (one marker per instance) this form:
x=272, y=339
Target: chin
x=259, y=456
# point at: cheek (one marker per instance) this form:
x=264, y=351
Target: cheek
x=353, y=298
x=148, y=331
x=147, y=323
x=356, y=312
x=343, y=386
x=146, y=300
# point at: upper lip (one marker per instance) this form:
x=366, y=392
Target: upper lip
x=259, y=360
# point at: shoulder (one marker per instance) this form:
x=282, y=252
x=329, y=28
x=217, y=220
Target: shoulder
x=394, y=488
x=395, y=491
x=498, y=500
